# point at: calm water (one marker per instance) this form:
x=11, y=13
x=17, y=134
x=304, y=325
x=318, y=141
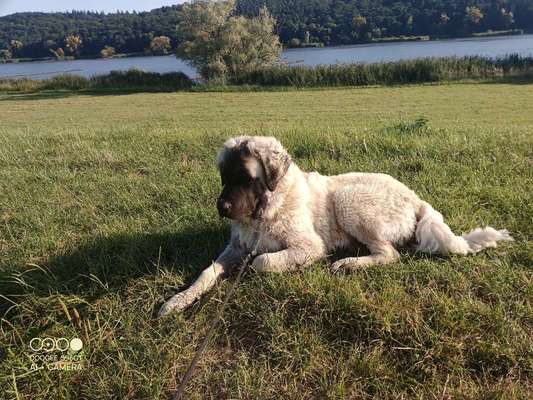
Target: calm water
x=368, y=53
x=374, y=52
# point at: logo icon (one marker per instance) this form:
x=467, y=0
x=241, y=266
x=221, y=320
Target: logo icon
x=50, y=344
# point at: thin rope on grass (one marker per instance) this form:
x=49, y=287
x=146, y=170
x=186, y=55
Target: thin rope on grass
x=181, y=388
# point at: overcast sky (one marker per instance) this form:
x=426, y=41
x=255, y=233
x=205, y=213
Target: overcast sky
x=13, y=6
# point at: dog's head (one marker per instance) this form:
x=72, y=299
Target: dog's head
x=250, y=167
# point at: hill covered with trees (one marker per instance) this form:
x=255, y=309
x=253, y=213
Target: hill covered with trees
x=328, y=22
x=125, y=32
x=351, y=21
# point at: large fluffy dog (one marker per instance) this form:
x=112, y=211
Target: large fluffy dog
x=292, y=218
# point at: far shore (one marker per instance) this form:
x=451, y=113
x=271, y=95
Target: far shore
x=512, y=32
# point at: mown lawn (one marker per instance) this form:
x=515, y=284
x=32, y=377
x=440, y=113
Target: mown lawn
x=107, y=208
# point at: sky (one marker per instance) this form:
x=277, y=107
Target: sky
x=13, y=6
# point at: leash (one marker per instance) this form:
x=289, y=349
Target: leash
x=181, y=388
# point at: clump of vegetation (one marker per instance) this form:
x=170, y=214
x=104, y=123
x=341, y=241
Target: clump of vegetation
x=160, y=45
x=73, y=44
x=137, y=79
x=58, y=53
x=12, y=50
x=391, y=73
x=223, y=46
x=20, y=85
x=107, y=52
x=5, y=54
x=418, y=126
x=129, y=80
x=66, y=82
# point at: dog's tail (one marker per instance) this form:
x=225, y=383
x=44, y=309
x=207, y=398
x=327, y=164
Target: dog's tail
x=435, y=237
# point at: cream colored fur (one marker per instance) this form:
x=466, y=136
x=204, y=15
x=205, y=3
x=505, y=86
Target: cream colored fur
x=309, y=215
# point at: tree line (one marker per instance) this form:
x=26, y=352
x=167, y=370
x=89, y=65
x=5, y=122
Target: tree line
x=45, y=34
x=352, y=21
x=298, y=22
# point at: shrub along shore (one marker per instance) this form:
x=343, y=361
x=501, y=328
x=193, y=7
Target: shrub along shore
x=423, y=70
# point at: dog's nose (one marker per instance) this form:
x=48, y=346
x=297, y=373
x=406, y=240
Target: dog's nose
x=224, y=207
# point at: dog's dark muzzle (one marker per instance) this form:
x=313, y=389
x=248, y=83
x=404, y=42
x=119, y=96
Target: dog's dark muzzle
x=224, y=208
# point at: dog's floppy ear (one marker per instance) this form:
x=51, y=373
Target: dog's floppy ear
x=229, y=146
x=273, y=157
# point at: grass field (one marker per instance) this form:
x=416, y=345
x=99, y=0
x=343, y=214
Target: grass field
x=107, y=208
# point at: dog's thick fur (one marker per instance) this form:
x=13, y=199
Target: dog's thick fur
x=293, y=218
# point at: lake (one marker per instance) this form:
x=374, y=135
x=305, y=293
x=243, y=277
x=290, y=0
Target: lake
x=368, y=53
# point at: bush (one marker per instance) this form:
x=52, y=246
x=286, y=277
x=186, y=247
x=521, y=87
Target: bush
x=222, y=45
x=107, y=51
x=132, y=79
x=66, y=81
x=135, y=78
x=5, y=54
x=19, y=85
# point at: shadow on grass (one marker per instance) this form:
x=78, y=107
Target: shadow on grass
x=514, y=80
x=63, y=94
x=45, y=95
x=105, y=265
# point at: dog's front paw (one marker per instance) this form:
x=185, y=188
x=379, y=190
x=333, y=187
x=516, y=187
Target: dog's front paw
x=338, y=267
x=343, y=266
x=178, y=302
x=264, y=263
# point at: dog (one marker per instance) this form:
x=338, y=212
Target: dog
x=293, y=218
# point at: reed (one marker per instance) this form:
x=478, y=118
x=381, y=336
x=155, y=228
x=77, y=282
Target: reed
x=391, y=73
x=138, y=79
x=133, y=79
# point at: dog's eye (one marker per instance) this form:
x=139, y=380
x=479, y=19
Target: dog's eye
x=249, y=180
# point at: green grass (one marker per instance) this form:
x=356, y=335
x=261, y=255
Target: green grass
x=107, y=208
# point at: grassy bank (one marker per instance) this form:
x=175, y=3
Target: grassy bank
x=107, y=208
x=425, y=70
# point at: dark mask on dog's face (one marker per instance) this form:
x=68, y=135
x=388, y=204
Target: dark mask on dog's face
x=243, y=189
x=249, y=170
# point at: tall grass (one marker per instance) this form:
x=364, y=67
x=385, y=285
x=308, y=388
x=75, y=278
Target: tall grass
x=139, y=79
x=391, y=73
x=131, y=79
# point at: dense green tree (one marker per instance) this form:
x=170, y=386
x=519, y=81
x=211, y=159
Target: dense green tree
x=160, y=45
x=222, y=45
